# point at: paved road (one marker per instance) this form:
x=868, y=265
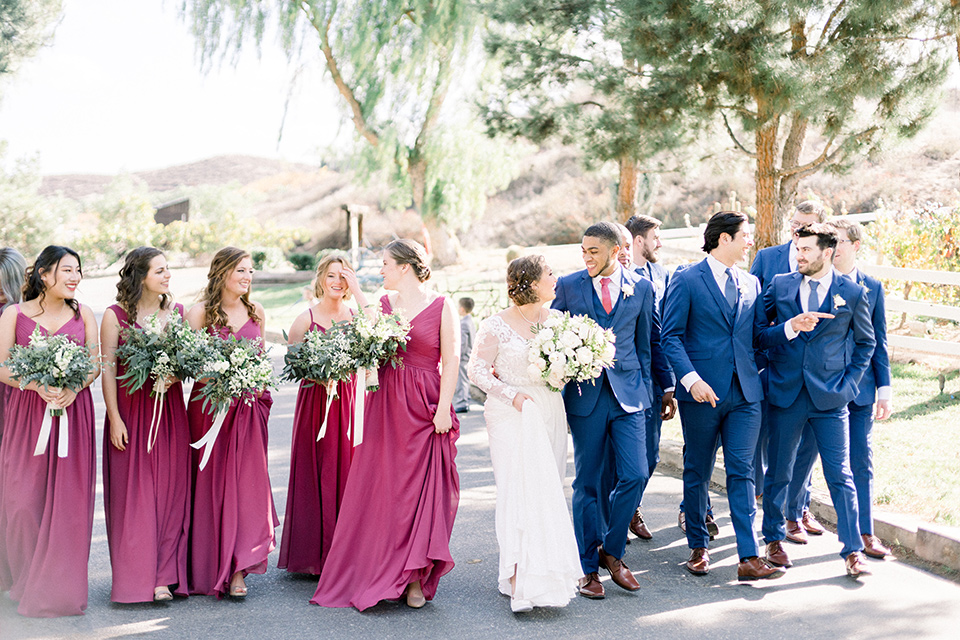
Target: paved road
x=814, y=600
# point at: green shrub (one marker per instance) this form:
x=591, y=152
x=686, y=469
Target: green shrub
x=303, y=261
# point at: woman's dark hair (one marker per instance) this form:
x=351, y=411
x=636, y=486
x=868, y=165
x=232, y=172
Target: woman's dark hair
x=222, y=265
x=728, y=222
x=136, y=266
x=522, y=274
x=49, y=259
x=410, y=252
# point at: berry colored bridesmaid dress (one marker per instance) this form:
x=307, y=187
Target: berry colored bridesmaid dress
x=403, y=489
x=46, y=502
x=146, y=496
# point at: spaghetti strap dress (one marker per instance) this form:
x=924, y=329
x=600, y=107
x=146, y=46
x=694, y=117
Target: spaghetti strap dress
x=146, y=495
x=46, y=502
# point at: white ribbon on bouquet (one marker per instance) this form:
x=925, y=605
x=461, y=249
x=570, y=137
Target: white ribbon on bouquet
x=209, y=438
x=160, y=390
x=331, y=387
x=46, y=427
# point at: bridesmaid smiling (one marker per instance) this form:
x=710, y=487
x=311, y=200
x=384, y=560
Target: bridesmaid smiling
x=146, y=495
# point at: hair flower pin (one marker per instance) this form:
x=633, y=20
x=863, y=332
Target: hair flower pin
x=838, y=301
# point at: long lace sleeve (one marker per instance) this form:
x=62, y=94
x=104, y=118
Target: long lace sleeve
x=481, y=365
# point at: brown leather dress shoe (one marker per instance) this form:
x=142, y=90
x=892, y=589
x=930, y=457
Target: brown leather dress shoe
x=856, y=565
x=777, y=556
x=810, y=523
x=758, y=569
x=699, y=562
x=638, y=527
x=796, y=533
x=712, y=528
x=682, y=521
x=873, y=548
x=619, y=572
x=590, y=586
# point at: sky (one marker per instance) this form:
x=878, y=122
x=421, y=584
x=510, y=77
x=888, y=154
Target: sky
x=121, y=89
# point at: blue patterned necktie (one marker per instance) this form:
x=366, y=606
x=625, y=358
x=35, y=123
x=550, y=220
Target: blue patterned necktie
x=730, y=289
x=813, y=302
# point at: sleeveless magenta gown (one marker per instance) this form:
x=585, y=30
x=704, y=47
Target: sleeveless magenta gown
x=146, y=496
x=46, y=502
x=233, y=517
x=318, y=474
x=402, y=492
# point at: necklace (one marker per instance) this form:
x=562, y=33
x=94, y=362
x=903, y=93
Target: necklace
x=530, y=322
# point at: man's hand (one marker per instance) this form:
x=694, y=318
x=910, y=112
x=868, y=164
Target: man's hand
x=702, y=392
x=807, y=321
x=668, y=406
x=884, y=409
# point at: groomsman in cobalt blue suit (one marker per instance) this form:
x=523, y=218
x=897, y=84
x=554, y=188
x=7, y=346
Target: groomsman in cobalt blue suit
x=768, y=263
x=874, y=388
x=611, y=407
x=711, y=313
x=809, y=318
x=645, y=253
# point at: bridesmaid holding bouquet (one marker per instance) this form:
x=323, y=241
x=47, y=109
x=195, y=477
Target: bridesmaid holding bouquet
x=393, y=534
x=46, y=499
x=233, y=516
x=318, y=468
x=146, y=489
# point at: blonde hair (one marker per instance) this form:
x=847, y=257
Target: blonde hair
x=322, y=269
x=13, y=273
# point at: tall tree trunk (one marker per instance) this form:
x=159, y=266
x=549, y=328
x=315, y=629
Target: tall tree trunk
x=627, y=189
x=792, y=148
x=768, y=228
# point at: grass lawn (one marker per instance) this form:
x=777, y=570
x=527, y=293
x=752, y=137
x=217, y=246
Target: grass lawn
x=916, y=452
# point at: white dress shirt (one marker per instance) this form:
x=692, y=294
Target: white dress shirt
x=613, y=286
x=823, y=289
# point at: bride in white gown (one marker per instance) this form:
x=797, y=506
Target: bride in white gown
x=527, y=426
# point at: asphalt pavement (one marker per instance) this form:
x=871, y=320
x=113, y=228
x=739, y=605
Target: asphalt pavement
x=814, y=600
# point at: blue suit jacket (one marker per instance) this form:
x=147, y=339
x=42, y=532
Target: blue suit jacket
x=700, y=335
x=818, y=358
x=661, y=280
x=878, y=373
x=770, y=262
x=636, y=325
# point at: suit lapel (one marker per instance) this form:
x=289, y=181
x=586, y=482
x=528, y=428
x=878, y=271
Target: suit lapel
x=741, y=276
x=586, y=290
x=711, y=284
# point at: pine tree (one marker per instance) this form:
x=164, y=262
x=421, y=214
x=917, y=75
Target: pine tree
x=815, y=84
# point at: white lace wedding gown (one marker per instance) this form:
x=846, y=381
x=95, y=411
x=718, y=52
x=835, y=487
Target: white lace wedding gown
x=529, y=454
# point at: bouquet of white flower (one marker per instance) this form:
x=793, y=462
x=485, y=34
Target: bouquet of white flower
x=377, y=342
x=56, y=362
x=570, y=348
x=240, y=369
x=161, y=352
x=320, y=357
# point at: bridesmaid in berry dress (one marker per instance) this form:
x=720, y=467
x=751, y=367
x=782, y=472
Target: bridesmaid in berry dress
x=46, y=502
x=12, y=271
x=318, y=469
x=233, y=516
x=393, y=533
x=146, y=493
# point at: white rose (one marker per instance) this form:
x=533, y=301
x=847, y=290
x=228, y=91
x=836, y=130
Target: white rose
x=584, y=355
x=534, y=371
x=569, y=352
x=545, y=334
x=584, y=331
x=570, y=339
x=540, y=365
x=556, y=356
x=552, y=320
x=609, y=351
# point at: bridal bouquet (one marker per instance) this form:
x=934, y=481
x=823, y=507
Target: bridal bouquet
x=377, y=342
x=54, y=362
x=320, y=357
x=570, y=348
x=240, y=368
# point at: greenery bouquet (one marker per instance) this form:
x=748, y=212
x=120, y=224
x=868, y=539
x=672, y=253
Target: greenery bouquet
x=55, y=362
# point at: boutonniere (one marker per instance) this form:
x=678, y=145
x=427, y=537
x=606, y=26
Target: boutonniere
x=627, y=290
x=838, y=301
x=863, y=283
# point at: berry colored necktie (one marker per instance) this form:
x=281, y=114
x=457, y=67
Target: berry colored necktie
x=605, y=294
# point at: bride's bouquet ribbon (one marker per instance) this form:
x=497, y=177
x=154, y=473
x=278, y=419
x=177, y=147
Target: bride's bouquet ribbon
x=46, y=427
x=331, y=387
x=209, y=438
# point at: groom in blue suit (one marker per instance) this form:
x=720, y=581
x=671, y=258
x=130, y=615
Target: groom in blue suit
x=710, y=317
x=610, y=407
x=810, y=316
